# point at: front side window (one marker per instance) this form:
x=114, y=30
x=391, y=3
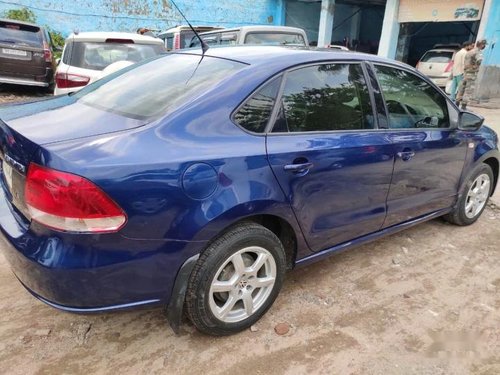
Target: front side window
x=254, y=114
x=325, y=98
x=411, y=102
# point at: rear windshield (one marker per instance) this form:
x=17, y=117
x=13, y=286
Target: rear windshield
x=157, y=87
x=437, y=57
x=12, y=33
x=273, y=38
x=97, y=56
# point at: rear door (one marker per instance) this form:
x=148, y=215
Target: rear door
x=21, y=51
x=430, y=152
x=331, y=162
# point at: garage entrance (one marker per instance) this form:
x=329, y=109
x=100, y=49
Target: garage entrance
x=425, y=23
x=415, y=38
x=354, y=24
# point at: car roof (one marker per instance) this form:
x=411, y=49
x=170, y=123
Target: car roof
x=20, y=22
x=258, y=28
x=101, y=36
x=281, y=55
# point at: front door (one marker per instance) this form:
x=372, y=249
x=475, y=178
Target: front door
x=332, y=164
x=430, y=152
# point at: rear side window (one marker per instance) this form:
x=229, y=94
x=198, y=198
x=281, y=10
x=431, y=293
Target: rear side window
x=154, y=88
x=12, y=33
x=437, y=57
x=254, y=114
x=273, y=38
x=97, y=56
x=411, y=102
x=325, y=98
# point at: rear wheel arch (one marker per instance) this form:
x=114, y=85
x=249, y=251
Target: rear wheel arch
x=276, y=224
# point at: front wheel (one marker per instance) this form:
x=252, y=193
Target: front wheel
x=473, y=197
x=236, y=280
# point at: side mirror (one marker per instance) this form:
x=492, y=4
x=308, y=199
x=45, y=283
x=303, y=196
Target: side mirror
x=58, y=60
x=470, y=121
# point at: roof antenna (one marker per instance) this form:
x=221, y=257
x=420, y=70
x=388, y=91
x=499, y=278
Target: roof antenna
x=204, y=46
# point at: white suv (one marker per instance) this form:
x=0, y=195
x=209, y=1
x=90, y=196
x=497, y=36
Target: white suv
x=92, y=55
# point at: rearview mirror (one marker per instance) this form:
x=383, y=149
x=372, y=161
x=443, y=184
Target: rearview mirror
x=470, y=121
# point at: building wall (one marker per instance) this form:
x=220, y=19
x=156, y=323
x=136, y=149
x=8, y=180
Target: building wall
x=128, y=15
x=489, y=76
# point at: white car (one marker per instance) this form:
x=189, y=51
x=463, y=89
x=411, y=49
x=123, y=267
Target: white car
x=437, y=64
x=90, y=56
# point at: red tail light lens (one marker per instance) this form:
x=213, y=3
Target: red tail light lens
x=67, y=81
x=449, y=67
x=47, y=53
x=68, y=202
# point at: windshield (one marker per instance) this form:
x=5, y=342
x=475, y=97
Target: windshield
x=20, y=34
x=274, y=38
x=437, y=57
x=158, y=86
x=97, y=56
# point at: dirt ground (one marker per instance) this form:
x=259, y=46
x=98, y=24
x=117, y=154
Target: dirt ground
x=424, y=301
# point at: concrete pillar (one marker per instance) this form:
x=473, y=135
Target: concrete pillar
x=326, y=22
x=390, y=30
x=355, y=24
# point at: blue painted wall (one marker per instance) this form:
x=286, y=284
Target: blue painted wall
x=489, y=75
x=492, y=35
x=128, y=15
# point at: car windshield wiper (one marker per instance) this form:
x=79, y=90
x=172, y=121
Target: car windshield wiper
x=7, y=41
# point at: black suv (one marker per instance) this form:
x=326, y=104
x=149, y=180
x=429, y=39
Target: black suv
x=26, y=56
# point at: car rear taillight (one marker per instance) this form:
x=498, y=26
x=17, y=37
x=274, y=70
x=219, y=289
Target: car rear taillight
x=177, y=41
x=449, y=67
x=66, y=80
x=47, y=53
x=67, y=202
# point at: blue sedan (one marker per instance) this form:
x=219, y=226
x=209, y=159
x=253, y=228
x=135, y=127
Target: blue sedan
x=195, y=181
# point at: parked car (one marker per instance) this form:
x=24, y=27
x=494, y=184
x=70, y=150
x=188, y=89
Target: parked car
x=255, y=35
x=437, y=63
x=89, y=56
x=197, y=180
x=25, y=54
x=180, y=36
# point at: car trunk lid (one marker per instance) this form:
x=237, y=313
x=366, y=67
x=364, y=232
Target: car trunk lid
x=25, y=128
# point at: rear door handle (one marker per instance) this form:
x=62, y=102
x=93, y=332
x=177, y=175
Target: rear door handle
x=298, y=168
x=406, y=155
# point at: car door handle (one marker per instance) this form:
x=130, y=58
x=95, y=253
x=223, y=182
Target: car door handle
x=405, y=155
x=298, y=168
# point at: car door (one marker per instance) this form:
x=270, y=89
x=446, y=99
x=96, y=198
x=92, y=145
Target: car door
x=331, y=162
x=430, y=152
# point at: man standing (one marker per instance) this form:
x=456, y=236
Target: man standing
x=472, y=61
x=458, y=68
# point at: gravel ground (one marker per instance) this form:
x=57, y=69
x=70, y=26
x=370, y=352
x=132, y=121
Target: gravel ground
x=424, y=301
x=14, y=93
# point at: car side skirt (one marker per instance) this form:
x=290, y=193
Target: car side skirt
x=368, y=238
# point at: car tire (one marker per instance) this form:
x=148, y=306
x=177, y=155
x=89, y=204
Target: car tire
x=235, y=280
x=473, y=197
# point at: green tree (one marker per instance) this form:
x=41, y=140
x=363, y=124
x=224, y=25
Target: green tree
x=23, y=14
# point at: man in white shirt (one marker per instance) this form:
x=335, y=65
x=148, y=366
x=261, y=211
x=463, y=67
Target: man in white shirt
x=458, y=67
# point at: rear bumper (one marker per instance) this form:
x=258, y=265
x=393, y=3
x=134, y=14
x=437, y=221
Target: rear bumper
x=439, y=81
x=44, y=80
x=22, y=81
x=90, y=273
